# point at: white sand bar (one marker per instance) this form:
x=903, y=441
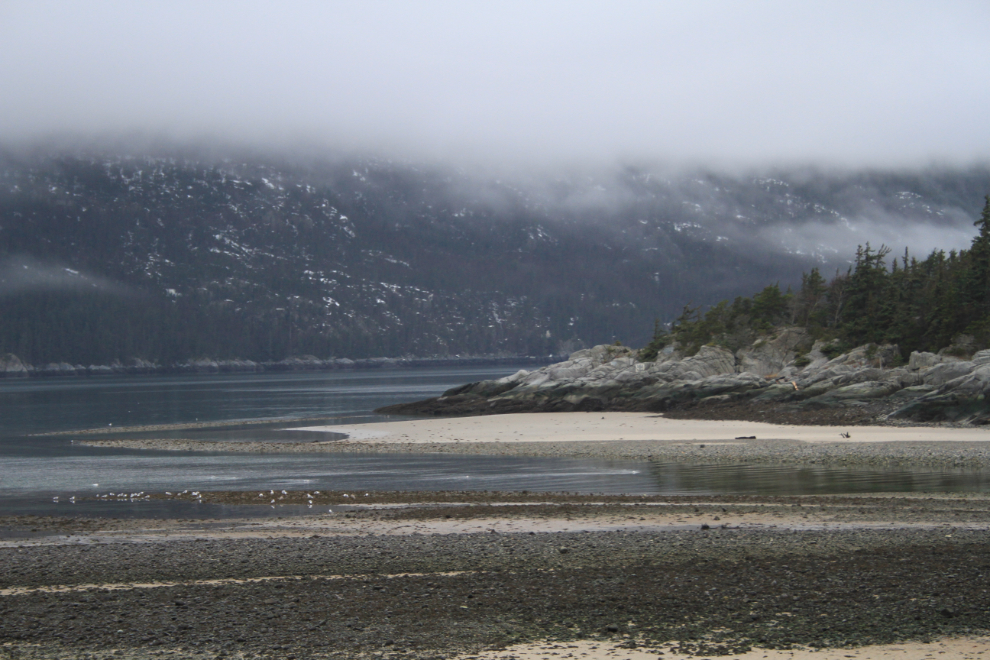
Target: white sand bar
x=598, y=427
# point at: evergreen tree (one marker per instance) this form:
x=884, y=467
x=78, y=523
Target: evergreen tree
x=918, y=305
x=975, y=294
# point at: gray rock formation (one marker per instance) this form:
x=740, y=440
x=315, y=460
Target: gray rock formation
x=200, y=366
x=772, y=355
x=57, y=369
x=931, y=387
x=12, y=367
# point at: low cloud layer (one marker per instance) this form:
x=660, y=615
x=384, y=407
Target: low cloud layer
x=715, y=83
x=836, y=243
x=21, y=274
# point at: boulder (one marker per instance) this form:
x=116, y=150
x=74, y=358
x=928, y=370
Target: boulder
x=239, y=366
x=602, y=353
x=709, y=361
x=808, y=391
x=571, y=369
x=770, y=356
x=484, y=389
x=200, y=366
x=963, y=346
x=863, y=375
x=664, y=395
x=963, y=399
x=852, y=394
x=12, y=367
x=301, y=363
x=942, y=373
x=971, y=385
x=828, y=372
x=777, y=392
x=56, y=369
x=911, y=393
x=514, y=378
x=920, y=361
x=869, y=355
x=981, y=357
x=903, y=376
x=140, y=366
x=818, y=359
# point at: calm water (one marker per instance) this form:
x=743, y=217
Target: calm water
x=42, y=405
x=34, y=469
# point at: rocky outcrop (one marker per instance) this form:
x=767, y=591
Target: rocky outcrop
x=766, y=375
x=772, y=355
x=199, y=366
x=60, y=369
x=12, y=367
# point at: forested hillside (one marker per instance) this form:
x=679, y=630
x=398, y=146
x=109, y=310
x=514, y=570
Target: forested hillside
x=941, y=300
x=107, y=257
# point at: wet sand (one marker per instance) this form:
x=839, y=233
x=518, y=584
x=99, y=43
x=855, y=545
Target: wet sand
x=420, y=513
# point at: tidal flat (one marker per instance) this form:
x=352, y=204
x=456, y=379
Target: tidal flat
x=615, y=436
x=431, y=575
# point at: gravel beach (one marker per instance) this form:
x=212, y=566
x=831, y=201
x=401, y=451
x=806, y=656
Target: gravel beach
x=421, y=576
x=525, y=576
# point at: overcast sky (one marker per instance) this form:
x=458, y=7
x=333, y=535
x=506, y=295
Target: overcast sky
x=847, y=83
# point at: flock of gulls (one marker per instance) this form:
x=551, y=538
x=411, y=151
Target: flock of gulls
x=309, y=498
x=195, y=495
x=114, y=497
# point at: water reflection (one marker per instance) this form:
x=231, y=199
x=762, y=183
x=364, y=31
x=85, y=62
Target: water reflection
x=27, y=484
x=39, y=405
x=35, y=468
x=681, y=478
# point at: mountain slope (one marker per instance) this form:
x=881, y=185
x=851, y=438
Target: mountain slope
x=166, y=258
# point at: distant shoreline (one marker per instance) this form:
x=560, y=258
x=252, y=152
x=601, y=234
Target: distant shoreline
x=15, y=369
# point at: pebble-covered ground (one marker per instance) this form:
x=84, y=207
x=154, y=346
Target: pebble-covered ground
x=398, y=575
x=709, y=589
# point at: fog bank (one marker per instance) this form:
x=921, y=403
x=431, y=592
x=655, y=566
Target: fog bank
x=714, y=83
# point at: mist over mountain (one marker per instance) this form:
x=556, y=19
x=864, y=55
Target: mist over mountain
x=107, y=257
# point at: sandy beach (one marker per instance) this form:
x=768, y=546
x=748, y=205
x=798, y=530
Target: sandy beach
x=966, y=648
x=961, y=648
x=603, y=427
x=627, y=436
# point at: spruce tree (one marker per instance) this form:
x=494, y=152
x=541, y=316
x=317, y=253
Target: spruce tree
x=976, y=284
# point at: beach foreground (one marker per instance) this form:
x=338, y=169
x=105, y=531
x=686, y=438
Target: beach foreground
x=423, y=575
x=478, y=575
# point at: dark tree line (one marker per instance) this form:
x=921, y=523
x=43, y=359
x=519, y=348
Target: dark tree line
x=920, y=305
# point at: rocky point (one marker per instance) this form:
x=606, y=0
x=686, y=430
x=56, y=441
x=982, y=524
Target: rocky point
x=786, y=376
